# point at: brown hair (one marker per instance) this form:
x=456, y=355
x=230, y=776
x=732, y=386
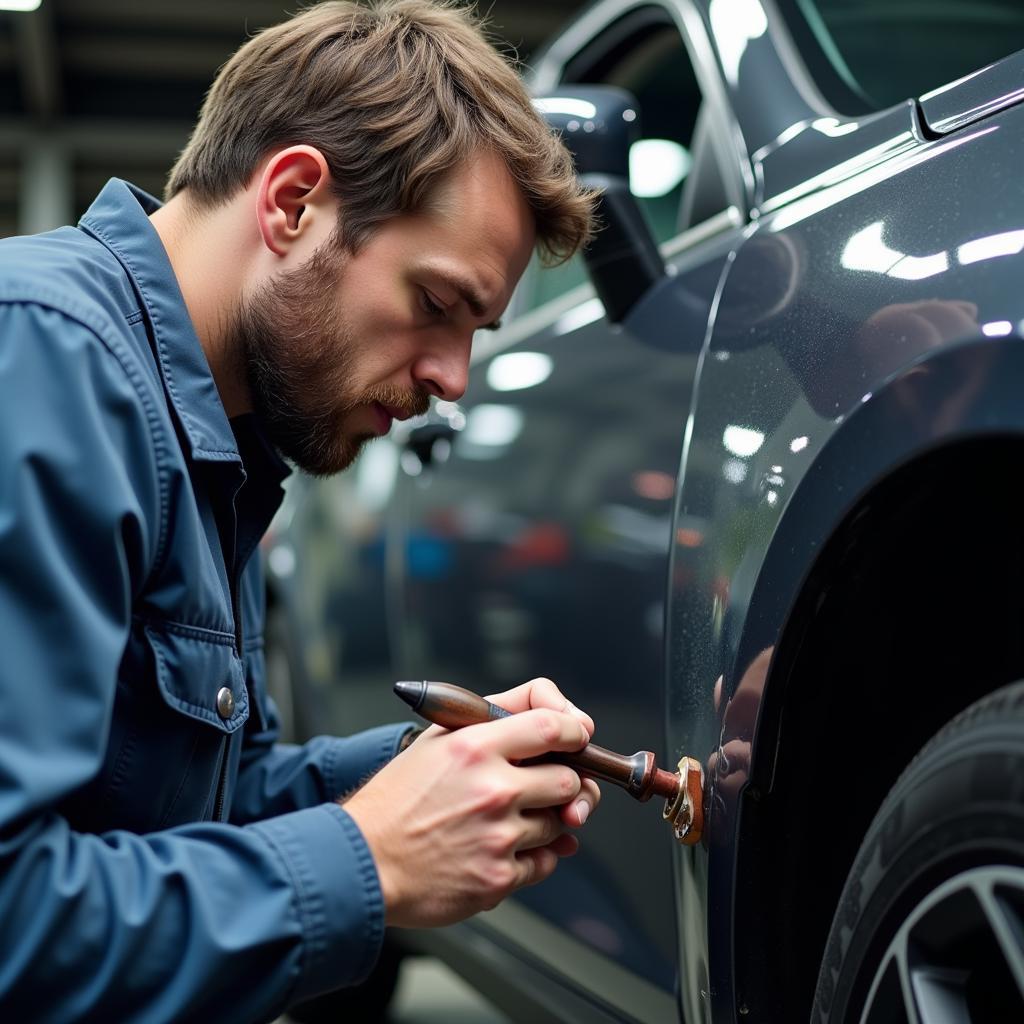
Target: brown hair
x=394, y=95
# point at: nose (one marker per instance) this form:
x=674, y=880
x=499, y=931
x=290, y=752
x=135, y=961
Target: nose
x=444, y=372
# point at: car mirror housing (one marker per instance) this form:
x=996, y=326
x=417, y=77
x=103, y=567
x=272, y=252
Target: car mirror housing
x=598, y=124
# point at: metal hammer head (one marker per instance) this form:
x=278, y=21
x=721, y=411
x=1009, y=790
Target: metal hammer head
x=685, y=811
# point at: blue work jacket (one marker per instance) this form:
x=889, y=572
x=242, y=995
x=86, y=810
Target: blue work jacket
x=162, y=858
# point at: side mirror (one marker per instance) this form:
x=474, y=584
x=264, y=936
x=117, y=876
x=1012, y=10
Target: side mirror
x=598, y=124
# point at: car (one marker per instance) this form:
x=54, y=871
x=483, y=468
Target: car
x=742, y=480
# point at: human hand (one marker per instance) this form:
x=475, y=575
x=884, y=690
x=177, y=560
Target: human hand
x=728, y=768
x=455, y=824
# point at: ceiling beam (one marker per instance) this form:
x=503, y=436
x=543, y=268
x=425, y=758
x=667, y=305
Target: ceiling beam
x=94, y=138
x=38, y=63
x=145, y=56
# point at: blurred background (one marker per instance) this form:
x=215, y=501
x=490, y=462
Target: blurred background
x=94, y=88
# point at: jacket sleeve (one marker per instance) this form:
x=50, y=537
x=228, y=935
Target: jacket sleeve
x=275, y=777
x=281, y=777
x=201, y=922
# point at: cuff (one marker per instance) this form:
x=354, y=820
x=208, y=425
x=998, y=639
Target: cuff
x=336, y=895
x=350, y=761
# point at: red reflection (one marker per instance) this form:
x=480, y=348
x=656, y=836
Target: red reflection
x=654, y=484
x=539, y=544
x=688, y=537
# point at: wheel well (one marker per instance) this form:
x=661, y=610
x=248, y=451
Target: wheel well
x=912, y=612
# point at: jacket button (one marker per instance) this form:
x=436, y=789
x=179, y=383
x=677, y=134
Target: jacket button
x=225, y=702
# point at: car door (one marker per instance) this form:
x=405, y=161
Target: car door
x=537, y=542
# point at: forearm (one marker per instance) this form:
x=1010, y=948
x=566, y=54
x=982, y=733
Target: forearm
x=282, y=777
x=201, y=922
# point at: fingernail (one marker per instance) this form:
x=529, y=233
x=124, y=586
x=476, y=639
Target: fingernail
x=582, y=810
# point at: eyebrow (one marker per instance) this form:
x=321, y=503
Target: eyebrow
x=467, y=293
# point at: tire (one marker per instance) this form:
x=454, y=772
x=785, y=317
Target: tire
x=932, y=914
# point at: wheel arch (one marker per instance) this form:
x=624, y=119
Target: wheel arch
x=903, y=613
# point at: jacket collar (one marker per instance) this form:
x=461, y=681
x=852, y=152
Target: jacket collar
x=119, y=218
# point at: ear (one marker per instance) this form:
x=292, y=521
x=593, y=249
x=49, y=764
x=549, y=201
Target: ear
x=294, y=193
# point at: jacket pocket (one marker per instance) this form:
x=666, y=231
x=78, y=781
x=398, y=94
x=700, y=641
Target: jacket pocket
x=169, y=744
x=194, y=667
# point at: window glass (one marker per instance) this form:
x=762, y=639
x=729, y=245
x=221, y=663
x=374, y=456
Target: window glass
x=871, y=54
x=644, y=54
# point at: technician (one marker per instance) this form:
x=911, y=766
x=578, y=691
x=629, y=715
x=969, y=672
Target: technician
x=362, y=192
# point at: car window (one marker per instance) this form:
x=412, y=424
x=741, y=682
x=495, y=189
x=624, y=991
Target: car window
x=644, y=54
x=871, y=54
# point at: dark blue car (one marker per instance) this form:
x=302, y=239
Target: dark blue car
x=742, y=481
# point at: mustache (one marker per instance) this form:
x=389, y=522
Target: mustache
x=414, y=402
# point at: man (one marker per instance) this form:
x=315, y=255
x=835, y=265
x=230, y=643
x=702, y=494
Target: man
x=361, y=193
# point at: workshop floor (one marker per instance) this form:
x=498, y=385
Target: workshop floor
x=429, y=993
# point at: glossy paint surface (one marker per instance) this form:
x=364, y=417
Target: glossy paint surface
x=975, y=96
x=829, y=302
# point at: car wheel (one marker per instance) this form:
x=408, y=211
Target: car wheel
x=930, y=925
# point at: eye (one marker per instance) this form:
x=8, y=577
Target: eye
x=429, y=305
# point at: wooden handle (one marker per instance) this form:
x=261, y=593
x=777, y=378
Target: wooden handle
x=454, y=708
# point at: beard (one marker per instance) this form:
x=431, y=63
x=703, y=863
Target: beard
x=298, y=353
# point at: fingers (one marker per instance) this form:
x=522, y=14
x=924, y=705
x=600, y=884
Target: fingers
x=537, y=864
x=540, y=693
x=533, y=733
x=538, y=828
x=546, y=785
x=576, y=812
x=559, y=787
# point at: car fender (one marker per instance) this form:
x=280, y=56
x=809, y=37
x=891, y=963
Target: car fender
x=967, y=390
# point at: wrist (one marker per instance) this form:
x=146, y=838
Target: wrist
x=409, y=738
x=366, y=818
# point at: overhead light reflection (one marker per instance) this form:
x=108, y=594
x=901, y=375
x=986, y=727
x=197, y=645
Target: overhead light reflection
x=579, y=316
x=20, y=5
x=798, y=444
x=833, y=127
x=742, y=441
x=568, y=105
x=376, y=473
x=735, y=23
x=996, y=328
x=1007, y=243
x=515, y=371
x=490, y=429
x=866, y=251
x=656, y=166
x=282, y=560
x=735, y=471
x=854, y=176
x=917, y=268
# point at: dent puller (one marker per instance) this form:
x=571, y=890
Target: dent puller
x=453, y=707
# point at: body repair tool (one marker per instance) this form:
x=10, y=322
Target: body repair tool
x=453, y=707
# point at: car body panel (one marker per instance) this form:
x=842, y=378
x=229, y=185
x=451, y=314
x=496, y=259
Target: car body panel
x=951, y=107
x=835, y=303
